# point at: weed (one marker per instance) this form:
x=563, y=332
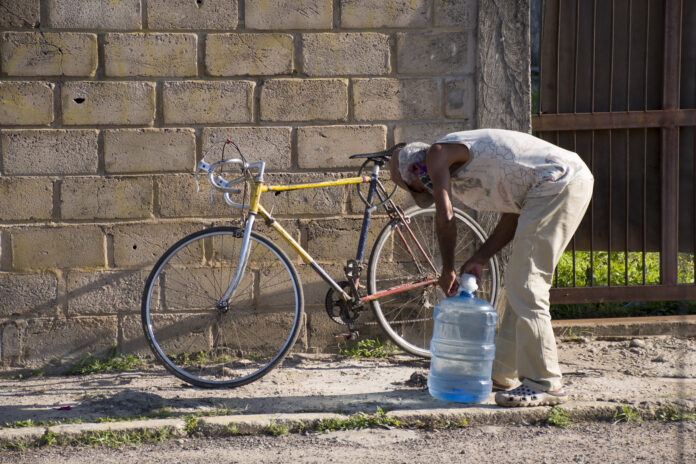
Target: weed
x=30, y=423
x=193, y=425
x=112, y=439
x=626, y=414
x=358, y=421
x=558, y=417
x=14, y=446
x=368, y=348
x=673, y=414
x=113, y=362
x=47, y=439
x=275, y=429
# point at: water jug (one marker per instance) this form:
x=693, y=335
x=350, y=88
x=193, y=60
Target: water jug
x=462, y=347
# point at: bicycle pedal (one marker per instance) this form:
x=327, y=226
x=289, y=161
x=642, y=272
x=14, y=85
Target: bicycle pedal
x=347, y=336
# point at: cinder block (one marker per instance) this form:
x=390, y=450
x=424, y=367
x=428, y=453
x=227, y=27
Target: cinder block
x=12, y=334
x=304, y=100
x=396, y=99
x=313, y=285
x=132, y=339
x=375, y=14
x=126, y=103
x=268, y=144
x=49, y=152
x=25, y=199
x=336, y=239
x=26, y=103
x=456, y=13
x=340, y=54
x=149, y=55
x=26, y=13
x=104, y=292
x=106, y=198
x=141, y=245
x=306, y=202
x=435, y=52
x=460, y=98
x=321, y=147
x=149, y=150
x=248, y=54
x=57, y=247
x=68, y=339
x=48, y=54
x=186, y=14
x=178, y=198
x=27, y=295
x=94, y=14
x=288, y=14
x=428, y=133
x=212, y=102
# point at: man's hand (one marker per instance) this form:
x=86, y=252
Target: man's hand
x=448, y=282
x=473, y=267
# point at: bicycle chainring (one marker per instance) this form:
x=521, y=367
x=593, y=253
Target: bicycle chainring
x=340, y=311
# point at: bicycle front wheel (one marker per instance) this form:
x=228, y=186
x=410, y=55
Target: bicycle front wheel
x=210, y=342
x=397, y=260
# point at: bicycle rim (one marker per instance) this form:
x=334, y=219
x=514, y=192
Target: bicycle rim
x=212, y=346
x=407, y=317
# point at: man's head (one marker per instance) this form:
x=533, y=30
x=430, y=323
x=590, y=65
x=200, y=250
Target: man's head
x=408, y=170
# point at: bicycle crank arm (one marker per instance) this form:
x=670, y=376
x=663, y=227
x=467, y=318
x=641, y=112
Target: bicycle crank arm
x=402, y=288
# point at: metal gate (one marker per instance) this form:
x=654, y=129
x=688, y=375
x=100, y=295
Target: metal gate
x=618, y=86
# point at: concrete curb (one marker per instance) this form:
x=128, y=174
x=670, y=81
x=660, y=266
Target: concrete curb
x=257, y=424
x=678, y=326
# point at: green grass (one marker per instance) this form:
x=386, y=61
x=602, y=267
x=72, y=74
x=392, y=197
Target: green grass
x=357, y=422
x=193, y=425
x=558, y=417
x=673, y=414
x=40, y=423
x=276, y=429
x=599, y=276
x=368, y=348
x=626, y=414
x=113, y=362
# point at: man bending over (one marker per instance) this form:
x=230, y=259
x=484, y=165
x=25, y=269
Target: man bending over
x=542, y=192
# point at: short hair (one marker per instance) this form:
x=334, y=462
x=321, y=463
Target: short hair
x=412, y=153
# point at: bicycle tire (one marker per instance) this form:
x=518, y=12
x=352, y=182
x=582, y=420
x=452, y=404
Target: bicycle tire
x=407, y=317
x=209, y=346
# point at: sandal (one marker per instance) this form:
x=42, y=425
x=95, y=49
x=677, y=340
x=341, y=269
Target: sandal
x=529, y=396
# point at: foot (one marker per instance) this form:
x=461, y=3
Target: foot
x=530, y=396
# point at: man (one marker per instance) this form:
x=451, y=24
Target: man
x=542, y=192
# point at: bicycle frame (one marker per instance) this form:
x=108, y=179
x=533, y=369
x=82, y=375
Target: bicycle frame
x=255, y=208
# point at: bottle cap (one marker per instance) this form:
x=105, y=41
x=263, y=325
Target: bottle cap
x=468, y=283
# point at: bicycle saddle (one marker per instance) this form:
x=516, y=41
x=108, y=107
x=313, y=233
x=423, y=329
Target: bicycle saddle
x=386, y=154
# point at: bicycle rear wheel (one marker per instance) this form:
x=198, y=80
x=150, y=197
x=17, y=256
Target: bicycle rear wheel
x=215, y=345
x=407, y=317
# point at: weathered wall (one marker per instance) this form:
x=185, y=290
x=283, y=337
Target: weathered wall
x=106, y=106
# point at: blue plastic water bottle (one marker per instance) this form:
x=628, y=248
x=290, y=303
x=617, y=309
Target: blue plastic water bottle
x=462, y=347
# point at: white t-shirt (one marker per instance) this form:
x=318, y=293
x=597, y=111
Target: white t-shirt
x=506, y=167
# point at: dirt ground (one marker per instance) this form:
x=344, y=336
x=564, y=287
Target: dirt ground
x=649, y=442
x=640, y=371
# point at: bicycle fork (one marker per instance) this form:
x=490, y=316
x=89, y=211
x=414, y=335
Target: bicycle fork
x=244, y=252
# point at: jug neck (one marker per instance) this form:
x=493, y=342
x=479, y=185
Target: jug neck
x=465, y=294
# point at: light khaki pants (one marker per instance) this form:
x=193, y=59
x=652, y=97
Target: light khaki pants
x=525, y=347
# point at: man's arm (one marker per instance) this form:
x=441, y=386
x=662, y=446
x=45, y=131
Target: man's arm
x=501, y=236
x=438, y=162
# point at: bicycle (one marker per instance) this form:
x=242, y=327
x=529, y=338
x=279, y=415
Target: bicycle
x=223, y=306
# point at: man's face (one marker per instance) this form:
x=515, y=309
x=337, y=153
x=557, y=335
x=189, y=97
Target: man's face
x=415, y=185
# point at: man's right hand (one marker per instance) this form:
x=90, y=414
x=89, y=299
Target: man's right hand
x=473, y=267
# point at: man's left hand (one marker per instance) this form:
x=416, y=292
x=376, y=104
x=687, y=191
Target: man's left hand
x=448, y=282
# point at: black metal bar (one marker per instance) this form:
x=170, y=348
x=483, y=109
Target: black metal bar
x=592, y=153
x=623, y=293
x=670, y=145
x=628, y=163
x=645, y=197
x=609, y=206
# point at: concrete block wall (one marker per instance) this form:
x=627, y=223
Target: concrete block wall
x=106, y=106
